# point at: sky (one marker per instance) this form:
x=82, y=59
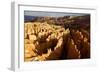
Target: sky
x=53, y=14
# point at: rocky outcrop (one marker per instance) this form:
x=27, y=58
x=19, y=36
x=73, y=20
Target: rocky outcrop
x=43, y=41
x=78, y=44
x=50, y=38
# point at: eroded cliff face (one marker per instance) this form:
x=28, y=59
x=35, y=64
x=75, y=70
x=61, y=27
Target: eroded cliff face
x=50, y=41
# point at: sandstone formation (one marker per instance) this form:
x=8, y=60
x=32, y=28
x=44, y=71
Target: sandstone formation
x=49, y=38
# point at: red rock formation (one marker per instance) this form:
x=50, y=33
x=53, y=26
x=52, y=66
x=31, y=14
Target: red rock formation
x=51, y=38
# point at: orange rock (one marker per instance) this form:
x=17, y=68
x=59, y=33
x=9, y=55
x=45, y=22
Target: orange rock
x=72, y=51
